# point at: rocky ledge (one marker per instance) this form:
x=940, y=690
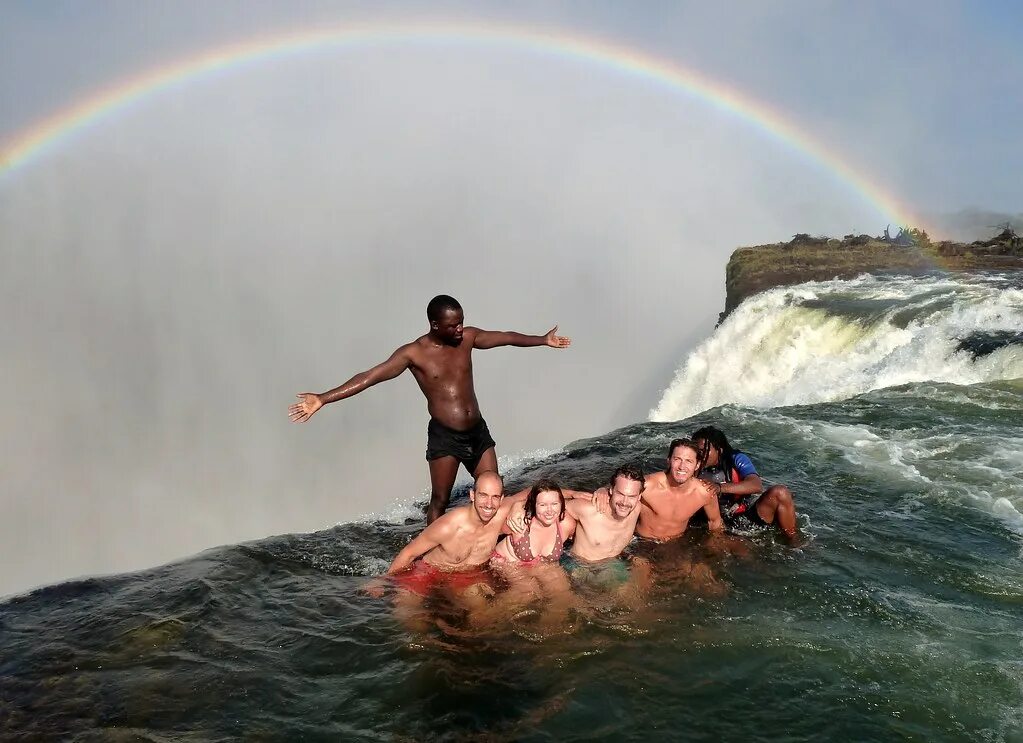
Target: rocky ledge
x=755, y=269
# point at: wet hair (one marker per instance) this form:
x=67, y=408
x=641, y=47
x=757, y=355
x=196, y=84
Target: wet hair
x=711, y=436
x=439, y=305
x=543, y=486
x=687, y=443
x=629, y=471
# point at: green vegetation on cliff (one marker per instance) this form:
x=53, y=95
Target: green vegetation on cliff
x=755, y=269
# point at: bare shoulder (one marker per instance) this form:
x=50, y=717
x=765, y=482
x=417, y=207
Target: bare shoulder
x=568, y=524
x=417, y=353
x=698, y=487
x=447, y=525
x=656, y=481
x=578, y=507
x=419, y=345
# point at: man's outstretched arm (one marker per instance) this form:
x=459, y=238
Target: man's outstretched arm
x=495, y=338
x=311, y=402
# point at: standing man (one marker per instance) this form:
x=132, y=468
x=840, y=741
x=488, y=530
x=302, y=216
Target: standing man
x=441, y=362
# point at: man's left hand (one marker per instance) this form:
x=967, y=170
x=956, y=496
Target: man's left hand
x=554, y=340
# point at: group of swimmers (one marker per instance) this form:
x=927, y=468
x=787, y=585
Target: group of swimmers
x=704, y=477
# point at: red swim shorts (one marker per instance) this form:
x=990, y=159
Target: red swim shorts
x=422, y=577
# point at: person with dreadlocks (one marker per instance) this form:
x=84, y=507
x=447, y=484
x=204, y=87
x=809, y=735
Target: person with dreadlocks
x=741, y=495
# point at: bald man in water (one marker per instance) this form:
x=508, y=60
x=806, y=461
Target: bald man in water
x=441, y=362
x=449, y=553
x=464, y=538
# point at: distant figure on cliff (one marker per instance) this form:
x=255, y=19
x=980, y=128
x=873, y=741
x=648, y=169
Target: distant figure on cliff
x=441, y=362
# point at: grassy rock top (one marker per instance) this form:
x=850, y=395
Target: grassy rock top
x=752, y=270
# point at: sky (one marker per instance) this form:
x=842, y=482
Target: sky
x=175, y=272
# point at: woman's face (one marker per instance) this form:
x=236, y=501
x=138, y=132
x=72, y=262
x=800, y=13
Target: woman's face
x=548, y=507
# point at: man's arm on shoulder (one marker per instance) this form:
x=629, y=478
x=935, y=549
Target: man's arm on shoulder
x=433, y=535
x=568, y=524
x=576, y=494
x=750, y=485
x=483, y=339
x=511, y=514
x=579, y=508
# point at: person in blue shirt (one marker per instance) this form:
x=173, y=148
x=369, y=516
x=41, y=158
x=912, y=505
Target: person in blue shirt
x=741, y=494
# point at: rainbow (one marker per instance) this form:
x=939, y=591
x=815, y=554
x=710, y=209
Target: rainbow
x=51, y=132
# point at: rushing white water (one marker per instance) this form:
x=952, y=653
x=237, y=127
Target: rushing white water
x=830, y=340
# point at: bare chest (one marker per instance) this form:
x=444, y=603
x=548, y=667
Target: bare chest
x=439, y=366
x=472, y=546
x=606, y=535
x=663, y=508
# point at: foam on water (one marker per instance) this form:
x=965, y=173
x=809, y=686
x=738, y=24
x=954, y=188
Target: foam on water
x=815, y=342
x=981, y=469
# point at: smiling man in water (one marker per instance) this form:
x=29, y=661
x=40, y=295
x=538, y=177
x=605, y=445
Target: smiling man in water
x=441, y=362
x=448, y=555
x=464, y=538
x=674, y=496
x=601, y=536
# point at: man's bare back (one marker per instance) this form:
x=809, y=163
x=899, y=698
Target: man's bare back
x=441, y=362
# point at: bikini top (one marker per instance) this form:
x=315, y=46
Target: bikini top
x=523, y=551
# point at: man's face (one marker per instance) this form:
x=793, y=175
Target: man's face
x=625, y=497
x=682, y=464
x=712, y=453
x=449, y=326
x=486, y=499
x=548, y=507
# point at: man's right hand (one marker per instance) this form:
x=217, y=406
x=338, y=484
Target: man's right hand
x=517, y=519
x=300, y=412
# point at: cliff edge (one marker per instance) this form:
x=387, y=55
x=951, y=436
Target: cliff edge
x=754, y=269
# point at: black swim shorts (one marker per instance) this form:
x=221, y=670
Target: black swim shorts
x=467, y=447
x=743, y=515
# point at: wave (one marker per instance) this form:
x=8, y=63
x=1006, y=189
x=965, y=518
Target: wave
x=831, y=340
x=906, y=580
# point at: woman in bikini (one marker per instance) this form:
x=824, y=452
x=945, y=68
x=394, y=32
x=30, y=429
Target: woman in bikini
x=548, y=526
x=529, y=561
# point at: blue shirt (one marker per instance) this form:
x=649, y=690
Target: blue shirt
x=741, y=463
